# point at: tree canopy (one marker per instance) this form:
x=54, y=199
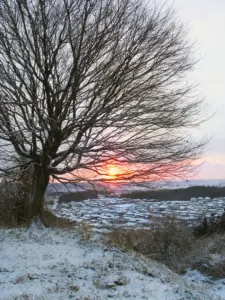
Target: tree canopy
x=87, y=82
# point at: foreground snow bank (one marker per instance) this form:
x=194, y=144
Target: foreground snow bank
x=52, y=264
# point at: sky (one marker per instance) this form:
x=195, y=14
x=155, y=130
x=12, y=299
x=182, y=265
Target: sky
x=205, y=20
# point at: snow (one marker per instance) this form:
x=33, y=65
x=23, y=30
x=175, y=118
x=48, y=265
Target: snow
x=196, y=279
x=137, y=213
x=123, y=207
x=53, y=264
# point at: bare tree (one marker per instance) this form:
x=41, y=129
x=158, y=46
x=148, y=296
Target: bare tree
x=87, y=82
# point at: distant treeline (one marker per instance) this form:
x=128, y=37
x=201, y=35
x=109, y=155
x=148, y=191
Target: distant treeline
x=162, y=194
x=77, y=196
x=178, y=194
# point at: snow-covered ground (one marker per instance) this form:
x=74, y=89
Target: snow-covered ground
x=53, y=264
x=116, y=212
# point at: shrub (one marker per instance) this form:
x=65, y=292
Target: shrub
x=175, y=245
x=171, y=238
x=168, y=241
x=208, y=255
x=216, y=224
x=85, y=231
x=14, y=203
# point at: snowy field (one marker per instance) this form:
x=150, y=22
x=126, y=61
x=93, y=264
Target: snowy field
x=53, y=264
x=106, y=213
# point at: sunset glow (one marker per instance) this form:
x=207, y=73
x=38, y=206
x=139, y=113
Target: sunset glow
x=113, y=172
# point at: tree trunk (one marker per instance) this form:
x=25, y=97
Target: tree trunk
x=39, y=185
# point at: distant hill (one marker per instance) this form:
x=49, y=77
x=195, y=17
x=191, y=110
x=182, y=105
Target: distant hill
x=182, y=194
x=121, y=188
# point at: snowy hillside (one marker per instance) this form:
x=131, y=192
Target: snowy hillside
x=52, y=264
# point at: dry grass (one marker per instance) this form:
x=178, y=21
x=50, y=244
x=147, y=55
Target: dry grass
x=175, y=245
x=54, y=221
x=208, y=255
x=168, y=241
x=85, y=231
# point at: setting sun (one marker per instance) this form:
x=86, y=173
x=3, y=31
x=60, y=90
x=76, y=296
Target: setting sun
x=113, y=171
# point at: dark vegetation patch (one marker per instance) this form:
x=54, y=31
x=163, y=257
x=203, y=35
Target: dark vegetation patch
x=182, y=194
x=215, y=224
x=77, y=196
x=14, y=204
x=14, y=207
x=54, y=194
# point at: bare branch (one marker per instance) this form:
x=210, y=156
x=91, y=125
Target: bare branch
x=84, y=83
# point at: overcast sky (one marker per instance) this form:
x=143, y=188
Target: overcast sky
x=206, y=22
